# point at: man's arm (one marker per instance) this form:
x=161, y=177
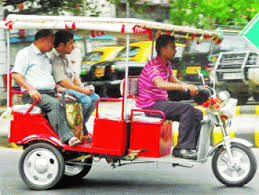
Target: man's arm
x=34, y=94
x=77, y=81
x=69, y=85
x=174, y=84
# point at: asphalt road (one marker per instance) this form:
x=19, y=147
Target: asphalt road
x=131, y=179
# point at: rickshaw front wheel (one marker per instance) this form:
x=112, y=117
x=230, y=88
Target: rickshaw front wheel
x=77, y=171
x=41, y=166
x=241, y=171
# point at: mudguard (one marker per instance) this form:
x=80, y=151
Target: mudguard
x=38, y=138
x=232, y=140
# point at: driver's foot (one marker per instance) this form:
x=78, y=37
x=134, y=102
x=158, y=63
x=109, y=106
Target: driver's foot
x=184, y=153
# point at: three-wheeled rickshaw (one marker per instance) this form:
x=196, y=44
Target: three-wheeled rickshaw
x=130, y=136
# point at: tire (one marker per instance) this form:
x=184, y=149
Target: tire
x=242, y=100
x=41, y=166
x=245, y=163
x=76, y=172
x=256, y=96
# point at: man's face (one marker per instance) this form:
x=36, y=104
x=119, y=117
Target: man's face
x=169, y=51
x=48, y=43
x=69, y=46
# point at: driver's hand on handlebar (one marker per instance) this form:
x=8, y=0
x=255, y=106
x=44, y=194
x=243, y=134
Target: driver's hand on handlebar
x=34, y=94
x=193, y=89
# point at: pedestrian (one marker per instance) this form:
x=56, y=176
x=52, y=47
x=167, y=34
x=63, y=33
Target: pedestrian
x=75, y=58
x=67, y=78
x=33, y=72
x=154, y=81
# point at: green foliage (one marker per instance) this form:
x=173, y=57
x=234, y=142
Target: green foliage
x=53, y=7
x=205, y=13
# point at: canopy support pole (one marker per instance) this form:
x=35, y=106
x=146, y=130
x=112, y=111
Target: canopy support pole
x=8, y=68
x=125, y=104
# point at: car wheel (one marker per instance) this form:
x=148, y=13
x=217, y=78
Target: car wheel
x=256, y=96
x=242, y=100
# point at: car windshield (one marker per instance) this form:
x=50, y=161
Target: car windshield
x=198, y=46
x=94, y=56
x=233, y=43
x=132, y=52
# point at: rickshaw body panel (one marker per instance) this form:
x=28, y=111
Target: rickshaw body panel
x=109, y=137
x=27, y=126
x=155, y=140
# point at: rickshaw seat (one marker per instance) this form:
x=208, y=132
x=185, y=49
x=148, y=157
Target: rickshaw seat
x=24, y=107
x=133, y=91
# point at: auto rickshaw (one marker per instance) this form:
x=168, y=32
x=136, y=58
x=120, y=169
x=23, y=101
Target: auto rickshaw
x=130, y=136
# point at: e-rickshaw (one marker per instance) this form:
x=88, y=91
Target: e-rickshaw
x=130, y=137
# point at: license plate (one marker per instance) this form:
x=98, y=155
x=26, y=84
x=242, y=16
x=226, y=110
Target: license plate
x=175, y=72
x=193, y=69
x=99, y=72
x=233, y=76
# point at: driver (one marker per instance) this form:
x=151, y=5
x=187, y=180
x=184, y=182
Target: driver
x=32, y=71
x=154, y=81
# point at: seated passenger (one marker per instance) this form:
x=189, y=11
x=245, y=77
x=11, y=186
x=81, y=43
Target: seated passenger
x=67, y=78
x=154, y=80
x=32, y=71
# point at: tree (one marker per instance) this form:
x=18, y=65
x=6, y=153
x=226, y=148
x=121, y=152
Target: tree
x=205, y=13
x=53, y=7
x=57, y=7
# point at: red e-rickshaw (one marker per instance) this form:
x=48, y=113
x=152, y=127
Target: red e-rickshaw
x=130, y=136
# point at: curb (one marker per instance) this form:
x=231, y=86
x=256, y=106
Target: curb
x=240, y=110
x=217, y=136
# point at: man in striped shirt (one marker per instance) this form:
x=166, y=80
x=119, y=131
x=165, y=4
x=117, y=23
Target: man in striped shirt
x=155, y=79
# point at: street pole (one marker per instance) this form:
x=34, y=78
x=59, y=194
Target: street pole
x=85, y=37
x=3, y=53
x=127, y=9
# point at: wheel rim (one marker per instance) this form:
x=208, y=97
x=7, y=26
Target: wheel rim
x=71, y=170
x=41, y=166
x=239, y=170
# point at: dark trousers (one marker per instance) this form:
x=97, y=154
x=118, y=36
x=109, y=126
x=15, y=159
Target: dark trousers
x=56, y=115
x=188, y=117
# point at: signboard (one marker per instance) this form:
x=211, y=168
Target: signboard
x=251, y=32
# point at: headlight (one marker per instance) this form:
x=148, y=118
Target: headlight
x=223, y=96
x=229, y=107
x=252, y=59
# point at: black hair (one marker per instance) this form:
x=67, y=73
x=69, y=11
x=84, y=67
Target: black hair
x=62, y=36
x=42, y=34
x=162, y=41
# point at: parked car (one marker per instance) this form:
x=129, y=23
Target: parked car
x=106, y=76
x=194, y=60
x=236, y=68
x=98, y=55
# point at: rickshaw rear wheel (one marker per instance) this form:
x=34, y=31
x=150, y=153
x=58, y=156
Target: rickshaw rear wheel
x=77, y=171
x=241, y=172
x=41, y=166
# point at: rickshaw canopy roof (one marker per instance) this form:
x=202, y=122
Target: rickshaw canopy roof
x=119, y=25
